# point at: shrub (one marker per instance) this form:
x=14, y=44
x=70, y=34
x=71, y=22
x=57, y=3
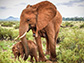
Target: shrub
x=60, y=39
x=6, y=34
x=1, y=22
x=9, y=34
x=15, y=34
x=16, y=26
x=7, y=24
x=71, y=49
x=71, y=52
x=12, y=22
x=75, y=27
x=67, y=24
x=82, y=26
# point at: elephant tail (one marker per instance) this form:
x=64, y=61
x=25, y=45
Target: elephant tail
x=63, y=26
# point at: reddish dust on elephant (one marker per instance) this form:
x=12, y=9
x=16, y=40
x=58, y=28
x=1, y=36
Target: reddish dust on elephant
x=44, y=20
x=19, y=50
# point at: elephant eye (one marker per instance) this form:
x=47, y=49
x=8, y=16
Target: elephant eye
x=28, y=19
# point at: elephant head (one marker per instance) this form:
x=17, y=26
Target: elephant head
x=38, y=16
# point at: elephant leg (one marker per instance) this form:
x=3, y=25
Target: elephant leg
x=22, y=54
x=52, y=48
x=36, y=59
x=25, y=45
x=15, y=57
x=57, y=27
x=40, y=50
x=18, y=57
x=56, y=35
x=31, y=60
x=21, y=51
x=25, y=58
x=47, y=46
x=51, y=38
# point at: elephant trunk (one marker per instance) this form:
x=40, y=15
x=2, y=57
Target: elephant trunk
x=22, y=34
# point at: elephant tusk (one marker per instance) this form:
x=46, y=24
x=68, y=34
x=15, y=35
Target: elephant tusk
x=23, y=35
x=20, y=37
x=36, y=35
x=16, y=38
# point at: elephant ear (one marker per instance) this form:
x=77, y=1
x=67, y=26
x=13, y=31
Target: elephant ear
x=45, y=15
x=28, y=6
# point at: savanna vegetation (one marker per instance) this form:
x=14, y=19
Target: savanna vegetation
x=70, y=45
x=73, y=19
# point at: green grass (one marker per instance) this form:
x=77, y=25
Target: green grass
x=67, y=52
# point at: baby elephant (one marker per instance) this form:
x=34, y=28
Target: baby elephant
x=19, y=50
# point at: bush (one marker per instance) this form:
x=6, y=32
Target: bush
x=1, y=22
x=16, y=26
x=71, y=49
x=75, y=27
x=12, y=22
x=6, y=34
x=82, y=26
x=7, y=24
x=9, y=34
x=67, y=24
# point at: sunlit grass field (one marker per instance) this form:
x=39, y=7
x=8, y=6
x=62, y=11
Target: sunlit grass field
x=70, y=46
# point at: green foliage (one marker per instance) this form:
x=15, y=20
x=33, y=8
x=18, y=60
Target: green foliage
x=29, y=35
x=82, y=26
x=6, y=34
x=16, y=26
x=7, y=24
x=75, y=27
x=73, y=19
x=71, y=48
x=10, y=34
x=67, y=24
x=1, y=22
x=15, y=33
x=12, y=22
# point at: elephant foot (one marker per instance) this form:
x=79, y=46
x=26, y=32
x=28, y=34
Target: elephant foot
x=42, y=59
x=25, y=58
x=48, y=61
x=53, y=59
x=31, y=61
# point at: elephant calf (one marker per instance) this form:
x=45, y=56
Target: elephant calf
x=19, y=50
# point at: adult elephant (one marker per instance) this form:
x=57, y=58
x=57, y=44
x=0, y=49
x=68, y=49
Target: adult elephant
x=44, y=19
